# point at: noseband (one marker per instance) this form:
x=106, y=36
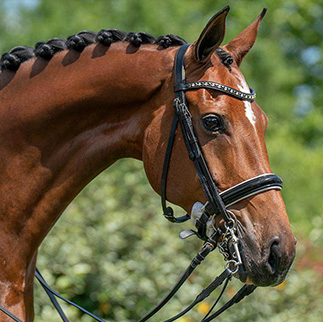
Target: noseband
x=216, y=204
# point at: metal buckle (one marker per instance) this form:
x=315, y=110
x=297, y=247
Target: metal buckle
x=212, y=246
x=229, y=235
x=176, y=101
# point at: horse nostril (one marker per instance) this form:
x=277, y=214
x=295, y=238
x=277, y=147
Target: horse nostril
x=274, y=257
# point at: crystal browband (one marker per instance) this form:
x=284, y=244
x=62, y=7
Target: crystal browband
x=219, y=87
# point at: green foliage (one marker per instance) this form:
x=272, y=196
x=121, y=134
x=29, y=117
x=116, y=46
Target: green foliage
x=309, y=129
x=112, y=251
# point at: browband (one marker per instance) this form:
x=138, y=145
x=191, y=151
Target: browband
x=219, y=87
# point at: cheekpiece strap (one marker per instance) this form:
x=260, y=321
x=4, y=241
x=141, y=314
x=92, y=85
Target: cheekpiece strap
x=191, y=141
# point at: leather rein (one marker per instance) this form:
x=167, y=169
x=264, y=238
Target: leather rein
x=216, y=205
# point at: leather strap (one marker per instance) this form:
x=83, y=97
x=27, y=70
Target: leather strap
x=239, y=296
x=51, y=296
x=218, y=87
x=168, y=211
x=218, y=298
x=204, y=294
x=192, y=145
x=207, y=248
x=191, y=141
x=49, y=289
x=251, y=187
x=5, y=311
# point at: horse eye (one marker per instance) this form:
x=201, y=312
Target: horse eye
x=212, y=123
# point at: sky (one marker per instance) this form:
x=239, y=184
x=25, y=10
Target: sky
x=11, y=6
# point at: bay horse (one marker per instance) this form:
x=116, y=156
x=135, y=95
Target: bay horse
x=71, y=108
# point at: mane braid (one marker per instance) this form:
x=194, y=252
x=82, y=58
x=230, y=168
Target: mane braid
x=107, y=36
x=47, y=49
x=170, y=40
x=137, y=39
x=15, y=57
x=80, y=40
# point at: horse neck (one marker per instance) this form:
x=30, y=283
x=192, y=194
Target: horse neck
x=73, y=117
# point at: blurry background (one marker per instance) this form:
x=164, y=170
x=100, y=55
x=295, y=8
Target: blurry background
x=112, y=251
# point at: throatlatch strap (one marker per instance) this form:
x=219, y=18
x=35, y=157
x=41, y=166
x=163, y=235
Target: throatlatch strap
x=168, y=211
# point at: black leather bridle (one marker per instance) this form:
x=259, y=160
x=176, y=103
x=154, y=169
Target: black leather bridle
x=217, y=203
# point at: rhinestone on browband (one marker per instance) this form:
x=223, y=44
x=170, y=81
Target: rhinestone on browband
x=222, y=88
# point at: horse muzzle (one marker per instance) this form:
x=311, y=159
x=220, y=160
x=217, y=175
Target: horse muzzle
x=267, y=267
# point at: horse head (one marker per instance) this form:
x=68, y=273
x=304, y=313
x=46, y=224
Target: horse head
x=231, y=135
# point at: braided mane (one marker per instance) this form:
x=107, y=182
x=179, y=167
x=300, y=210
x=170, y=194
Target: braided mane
x=46, y=50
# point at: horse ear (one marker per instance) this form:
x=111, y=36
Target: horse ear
x=240, y=45
x=211, y=36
